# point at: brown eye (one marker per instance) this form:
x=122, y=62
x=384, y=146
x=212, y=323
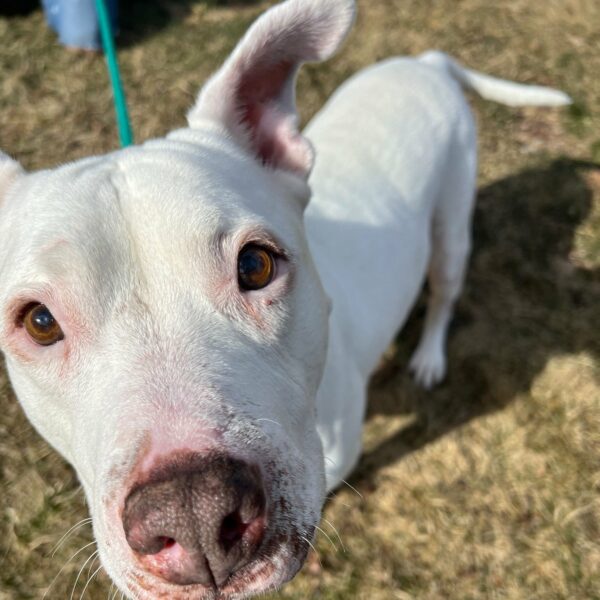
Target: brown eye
x=41, y=326
x=256, y=267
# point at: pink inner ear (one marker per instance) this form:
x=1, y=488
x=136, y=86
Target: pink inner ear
x=272, y=128
x=263, y=82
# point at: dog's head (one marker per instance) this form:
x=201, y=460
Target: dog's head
x=165, y=328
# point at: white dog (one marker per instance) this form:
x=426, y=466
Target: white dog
x=196, y=338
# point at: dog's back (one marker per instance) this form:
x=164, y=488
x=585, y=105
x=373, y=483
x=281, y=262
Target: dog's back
x=387, y=145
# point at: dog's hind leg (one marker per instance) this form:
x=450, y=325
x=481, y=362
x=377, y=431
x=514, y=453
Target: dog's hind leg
x=450, y=247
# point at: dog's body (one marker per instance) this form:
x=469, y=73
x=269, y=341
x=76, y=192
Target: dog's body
x=385, y=215
x=371, y=228
x=170, y=375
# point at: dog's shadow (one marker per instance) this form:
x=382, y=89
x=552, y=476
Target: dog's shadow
x=528, y=297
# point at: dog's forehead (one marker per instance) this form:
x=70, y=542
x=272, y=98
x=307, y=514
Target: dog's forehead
x=163, y=200
x=207, y=180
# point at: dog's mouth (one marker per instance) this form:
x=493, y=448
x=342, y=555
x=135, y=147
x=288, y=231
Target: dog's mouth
x=276, y=562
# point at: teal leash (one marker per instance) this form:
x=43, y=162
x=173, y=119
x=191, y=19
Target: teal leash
x=123, y=123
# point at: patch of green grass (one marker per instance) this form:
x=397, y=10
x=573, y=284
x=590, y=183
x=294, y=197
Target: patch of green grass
x=578, y=118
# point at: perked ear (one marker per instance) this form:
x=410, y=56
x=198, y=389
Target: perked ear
x=253, y=94
x=10, y=170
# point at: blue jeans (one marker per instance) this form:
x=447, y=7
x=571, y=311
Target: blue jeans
x=76, y=21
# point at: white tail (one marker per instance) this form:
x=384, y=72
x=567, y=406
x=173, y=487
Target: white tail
x=498, y=90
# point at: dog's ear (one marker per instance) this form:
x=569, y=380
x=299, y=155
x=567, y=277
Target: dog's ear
x=253, y=94
x=10, y=171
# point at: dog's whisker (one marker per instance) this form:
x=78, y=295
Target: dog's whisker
x=90, y=579
x=336, y=533
x=110, y=591
x=71, y=530
x=91, y=565
x=353, y=489
x=312, y=546
x=269, y=421
x=328, y=538
x=334, y=498
x=334, y=464
x=81, y=571
x=63, y=567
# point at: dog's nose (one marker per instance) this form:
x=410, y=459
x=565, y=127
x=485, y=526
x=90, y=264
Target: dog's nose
x=197, y=521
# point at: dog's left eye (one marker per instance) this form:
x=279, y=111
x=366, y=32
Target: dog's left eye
x=256, y=267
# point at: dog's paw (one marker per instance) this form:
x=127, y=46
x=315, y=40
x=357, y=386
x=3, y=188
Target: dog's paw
x=428, y=365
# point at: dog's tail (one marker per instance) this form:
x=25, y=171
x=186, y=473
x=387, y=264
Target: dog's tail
x=491, y=88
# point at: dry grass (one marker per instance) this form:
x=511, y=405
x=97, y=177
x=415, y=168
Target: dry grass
x=484, y=488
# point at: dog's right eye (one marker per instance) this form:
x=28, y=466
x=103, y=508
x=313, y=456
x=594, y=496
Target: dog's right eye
x=256, y=267
x=41, y=325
